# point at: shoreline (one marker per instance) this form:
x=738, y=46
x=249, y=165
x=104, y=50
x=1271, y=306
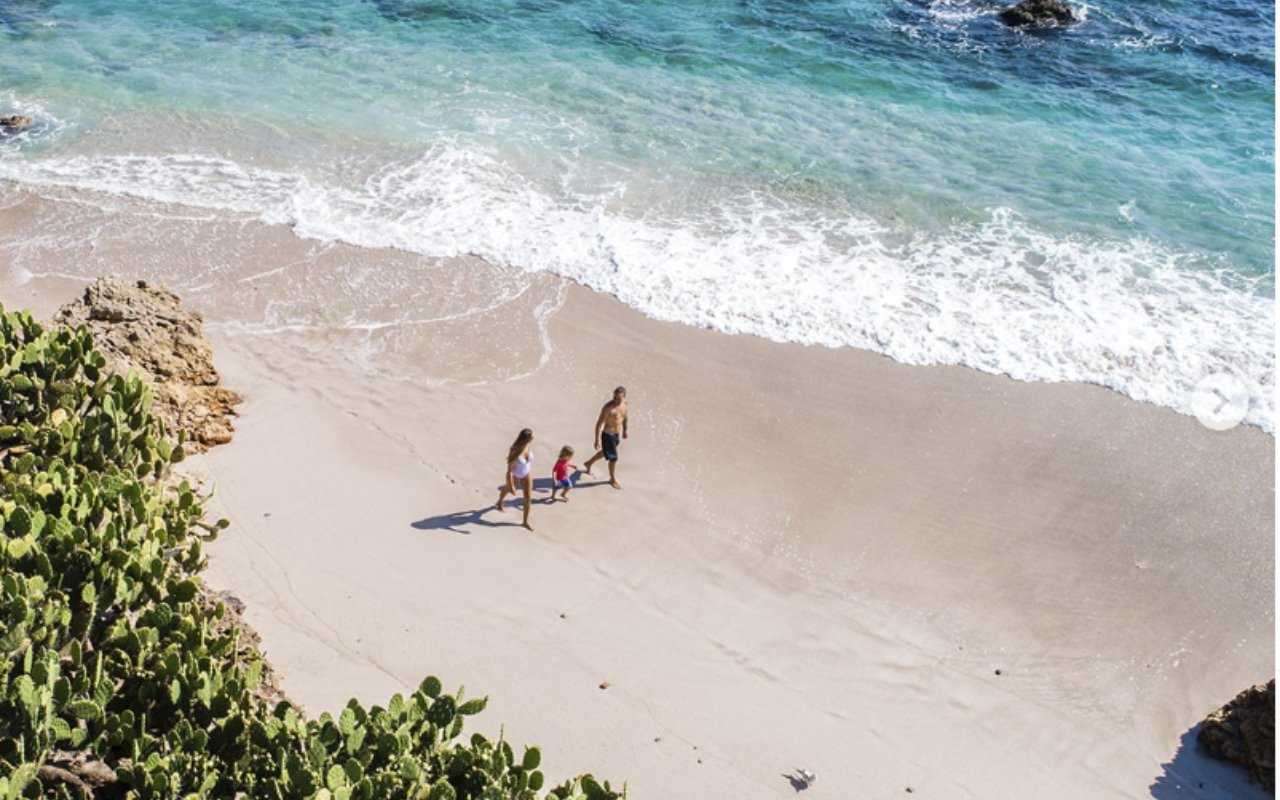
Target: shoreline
x=819, y=559
x=1016, y=329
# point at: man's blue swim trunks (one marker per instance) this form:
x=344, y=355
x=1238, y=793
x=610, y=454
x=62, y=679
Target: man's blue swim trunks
x=609, y=445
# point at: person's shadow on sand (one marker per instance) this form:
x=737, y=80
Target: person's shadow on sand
x=542, y=485
x=455, y=521
x=459, y=521
x=545, y=484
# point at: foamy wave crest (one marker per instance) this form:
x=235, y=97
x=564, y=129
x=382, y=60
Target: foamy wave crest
x=201, y=181
x=999, y=296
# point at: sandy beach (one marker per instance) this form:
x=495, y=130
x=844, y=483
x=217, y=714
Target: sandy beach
x=902, y=578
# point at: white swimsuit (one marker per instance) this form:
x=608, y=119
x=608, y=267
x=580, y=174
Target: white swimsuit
x=522, y=466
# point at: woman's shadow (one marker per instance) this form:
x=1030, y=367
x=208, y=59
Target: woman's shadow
x=454, y=522
x=459, y=521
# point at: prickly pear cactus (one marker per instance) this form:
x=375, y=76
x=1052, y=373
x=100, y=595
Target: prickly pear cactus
x=120, y=675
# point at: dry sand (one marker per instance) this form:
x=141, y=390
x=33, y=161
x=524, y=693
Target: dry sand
x=819, y=559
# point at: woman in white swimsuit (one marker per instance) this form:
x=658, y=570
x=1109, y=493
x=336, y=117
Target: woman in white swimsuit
x=519, y=467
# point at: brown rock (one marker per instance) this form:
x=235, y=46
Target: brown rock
x=1244, y=732
x=79, y=769
x=144, y=328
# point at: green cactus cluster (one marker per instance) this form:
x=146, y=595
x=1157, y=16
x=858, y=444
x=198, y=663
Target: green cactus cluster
x=113, y=655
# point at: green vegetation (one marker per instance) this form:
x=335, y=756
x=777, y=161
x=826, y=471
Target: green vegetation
x=114, y=654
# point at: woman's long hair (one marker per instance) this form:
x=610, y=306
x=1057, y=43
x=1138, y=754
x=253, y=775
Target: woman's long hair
x=518, y=445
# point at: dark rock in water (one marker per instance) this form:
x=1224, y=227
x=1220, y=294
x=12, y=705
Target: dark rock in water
x=144, y=328
x=16, y=121
x=1038, y=12
x=1244, y=732
x=428, y=11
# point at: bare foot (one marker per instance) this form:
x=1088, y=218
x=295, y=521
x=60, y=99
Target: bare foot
x=615, y=484
x=499, y=505
x=527, y=526
x=565, y=498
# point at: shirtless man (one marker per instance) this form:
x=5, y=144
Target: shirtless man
x=611, y=428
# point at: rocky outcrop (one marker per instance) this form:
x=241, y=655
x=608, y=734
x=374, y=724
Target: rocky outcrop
x=248, y=644
x=144, y=328
x=80, y=770
x=1038, y=12
x=16, y=122
x=1244, y=732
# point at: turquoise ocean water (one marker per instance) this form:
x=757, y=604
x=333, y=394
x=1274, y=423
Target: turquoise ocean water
x=1092, y=204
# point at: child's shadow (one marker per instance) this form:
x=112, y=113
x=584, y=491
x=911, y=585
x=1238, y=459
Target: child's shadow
x=539, y=485
x=546, y=484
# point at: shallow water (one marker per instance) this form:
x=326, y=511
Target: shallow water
x=1091, y=204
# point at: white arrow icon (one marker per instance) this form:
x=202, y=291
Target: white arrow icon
x=1220, y=401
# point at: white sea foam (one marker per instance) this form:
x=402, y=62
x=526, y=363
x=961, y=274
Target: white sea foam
x=200, y=181
x=46, y=127
x=999, y=296
x=950, y=11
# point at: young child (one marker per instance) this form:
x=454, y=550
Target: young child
x=561, y=474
